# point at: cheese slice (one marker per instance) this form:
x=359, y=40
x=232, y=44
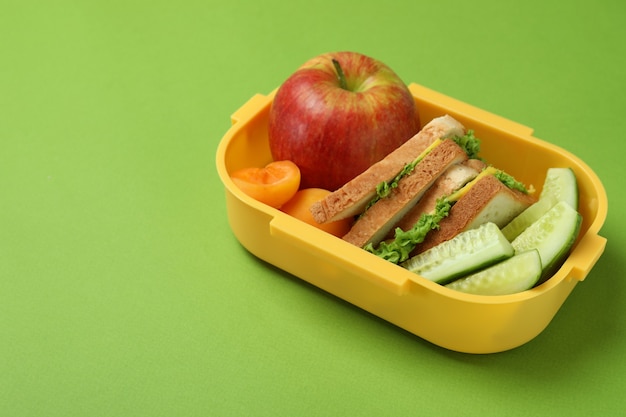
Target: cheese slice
x=462, y=191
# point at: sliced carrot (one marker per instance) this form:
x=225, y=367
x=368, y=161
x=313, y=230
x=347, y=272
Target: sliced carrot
x=274, y=185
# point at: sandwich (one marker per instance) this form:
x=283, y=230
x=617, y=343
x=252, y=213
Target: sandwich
x=424, y=193
x=451, y=181
x=383, y=213
x=491, y=197
x=353, y=197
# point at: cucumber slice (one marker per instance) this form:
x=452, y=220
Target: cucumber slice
x=465, y=253
x=552, y=235
x=510, y=276
x=560, y=183
x=528, y=217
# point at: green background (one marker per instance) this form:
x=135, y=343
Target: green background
x=122, y=289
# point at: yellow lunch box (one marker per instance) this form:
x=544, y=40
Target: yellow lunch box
x=447, y=318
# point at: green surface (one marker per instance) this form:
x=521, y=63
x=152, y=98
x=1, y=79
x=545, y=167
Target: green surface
x=122, y=289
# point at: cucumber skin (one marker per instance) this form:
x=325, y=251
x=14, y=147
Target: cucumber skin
x=559, y=259
x=550, y=267
x=471, y=284
x=497, y=242
x=476, y=267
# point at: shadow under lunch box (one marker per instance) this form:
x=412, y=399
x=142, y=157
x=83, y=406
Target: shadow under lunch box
x=450, y=319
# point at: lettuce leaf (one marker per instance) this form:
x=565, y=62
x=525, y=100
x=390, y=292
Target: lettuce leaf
x=384, y=188
x=510, y=182
x=469, y=143
x=399, y=249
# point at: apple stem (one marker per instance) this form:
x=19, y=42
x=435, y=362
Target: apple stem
x=340, y=75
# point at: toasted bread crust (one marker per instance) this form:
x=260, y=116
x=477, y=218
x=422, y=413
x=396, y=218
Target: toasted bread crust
x=488, y=200
x=376, y=222
x=352, y=198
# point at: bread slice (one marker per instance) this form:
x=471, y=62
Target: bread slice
x=352, y=198
x=375, y=223
x=488, y=200
x=454, y=178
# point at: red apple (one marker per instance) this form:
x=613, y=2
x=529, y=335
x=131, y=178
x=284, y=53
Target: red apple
x=338, y=114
